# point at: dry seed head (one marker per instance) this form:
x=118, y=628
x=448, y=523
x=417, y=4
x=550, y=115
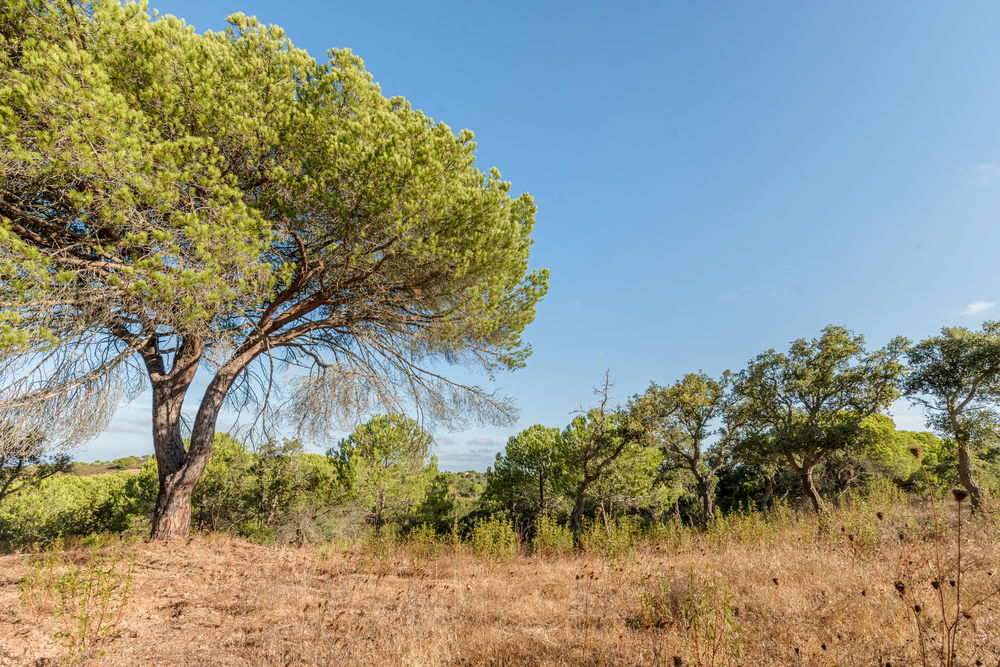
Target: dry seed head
x=916, y=452
x=960, y=494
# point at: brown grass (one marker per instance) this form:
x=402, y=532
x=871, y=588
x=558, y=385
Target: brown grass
x=796, y=597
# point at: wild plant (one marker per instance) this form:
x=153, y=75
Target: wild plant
x=933, y=581
x=699, y=608
x=611, y=539
x=494, y=539
x=552, y=538
x=87, y=598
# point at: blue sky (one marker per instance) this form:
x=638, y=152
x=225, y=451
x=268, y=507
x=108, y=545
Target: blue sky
x=713, y=179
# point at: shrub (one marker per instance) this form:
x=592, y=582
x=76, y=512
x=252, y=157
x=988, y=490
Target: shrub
x=494, y=539
x=88, y=598
x=551, y=537
x=423, y=542
x=612, y=539
x=68, y=505
x=697, y=607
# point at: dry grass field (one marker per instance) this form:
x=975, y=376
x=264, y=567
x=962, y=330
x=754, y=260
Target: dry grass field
x=853, y=594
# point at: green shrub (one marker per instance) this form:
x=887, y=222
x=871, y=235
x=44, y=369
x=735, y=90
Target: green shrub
x=494, y=539
x=424, y=542
x=552, y=538
x=69, y=505
x=612, y=539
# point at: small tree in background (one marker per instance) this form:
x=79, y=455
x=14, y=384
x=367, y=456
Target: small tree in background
x=388, y=467
x=26, y=459
x=811, y=401
x=592, y=443
x=956, y=378
x=696, y=422
x=527, y=476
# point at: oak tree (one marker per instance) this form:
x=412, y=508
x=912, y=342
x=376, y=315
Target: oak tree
x=812, y=400
x=697, y=420
x=956, y=379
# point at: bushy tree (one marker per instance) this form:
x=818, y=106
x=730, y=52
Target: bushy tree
x=388, y=466
x=812, y=401
x=25, y=459
x=696, y=421
x=528, y=476
x=592, y=443
x=175, y=204
x=956, y=379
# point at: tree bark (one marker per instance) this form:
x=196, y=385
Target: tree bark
x=707, y=504
x=576, y=518
x=965, y=476
x=173, y=501
x=809, y=488
x=179, y=471
x=765, y=502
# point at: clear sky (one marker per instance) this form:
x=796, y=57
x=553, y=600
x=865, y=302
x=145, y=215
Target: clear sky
x=713, y=179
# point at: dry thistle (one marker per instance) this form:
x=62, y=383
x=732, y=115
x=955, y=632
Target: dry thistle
x=916, y=452
x=960, y=494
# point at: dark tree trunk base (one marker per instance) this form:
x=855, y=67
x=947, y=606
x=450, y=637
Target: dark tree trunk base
x=172, y=516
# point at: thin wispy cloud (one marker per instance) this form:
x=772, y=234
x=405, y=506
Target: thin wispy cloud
x=985, y=174
x=977, y=307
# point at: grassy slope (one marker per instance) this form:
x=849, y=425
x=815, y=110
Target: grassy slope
x=794, y=598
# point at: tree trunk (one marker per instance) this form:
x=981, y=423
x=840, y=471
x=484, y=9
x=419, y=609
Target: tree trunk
x=965, y=476
x=707, y=504
x=179, y=471
x=172, y=516
x=765, y=502
x=173, y=501
x=809, y=488
x=576, y=518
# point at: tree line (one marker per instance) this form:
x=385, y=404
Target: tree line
x=805, y=424
x=815, y=409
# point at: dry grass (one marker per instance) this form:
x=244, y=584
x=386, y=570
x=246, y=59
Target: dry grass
x=793, y=597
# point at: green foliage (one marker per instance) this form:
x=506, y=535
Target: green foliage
x=613, y=538
x=423, y=542
x=631, y=482
x=813, y=400
x=387, y=464
x=494, y=539
x=527, y=479
x=68, y=505
x=956, y=378
x=210, y=181
x=552, y=538
x=695, y=422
